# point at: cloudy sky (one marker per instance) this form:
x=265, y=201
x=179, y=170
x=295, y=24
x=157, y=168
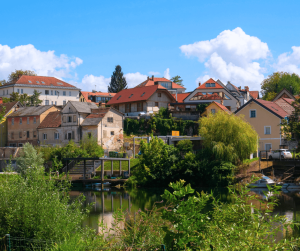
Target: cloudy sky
x=82, y=42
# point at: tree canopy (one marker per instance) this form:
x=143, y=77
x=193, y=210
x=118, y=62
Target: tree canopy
x=230, y=137
x=24, y=98
x=272, y=85
x=177, y=79
x=13, y=77
x=118, y=81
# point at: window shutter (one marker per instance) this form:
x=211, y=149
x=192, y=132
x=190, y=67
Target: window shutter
x=73, y=135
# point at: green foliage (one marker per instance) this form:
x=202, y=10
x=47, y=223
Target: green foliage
x=25, y=99
x=2, y=112
x=201, y=107
x=90, y=147
x=185, y=145
x=230, y=137
x=270, y=96
x=279, y=80
x=118, y=81
x=14, y=76
x=177, y=79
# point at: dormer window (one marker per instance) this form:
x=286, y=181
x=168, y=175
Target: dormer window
x=119, y=97
x=59, y=83
x=37, y=82
x=207, y=85
x=143, y=94
x=42, y=82
x=130, y=96
x=212, y=85
x=29, y=81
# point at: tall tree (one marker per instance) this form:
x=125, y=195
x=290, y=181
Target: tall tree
x=14, y=76
x=277, y=81
x=177, y=79
x=34, y=99
x=118, y=81
x=3, y=82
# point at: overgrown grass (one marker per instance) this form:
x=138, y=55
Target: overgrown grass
x=116, y=165
x=248, y=161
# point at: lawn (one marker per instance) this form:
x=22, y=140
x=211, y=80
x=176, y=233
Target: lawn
x=107, y=165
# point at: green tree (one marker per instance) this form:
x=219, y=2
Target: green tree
x=118, y=81
x=279, y=80
x=185, y=145
x=3, y=82
x=34, y=98
x=14, y=76
x=230, y=137
x=2, y=112
x=201, y=107
x=177, y=79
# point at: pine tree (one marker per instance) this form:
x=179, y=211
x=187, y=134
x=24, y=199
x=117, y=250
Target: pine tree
x=118, y=81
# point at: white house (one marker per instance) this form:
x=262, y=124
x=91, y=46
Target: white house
x=53, y=91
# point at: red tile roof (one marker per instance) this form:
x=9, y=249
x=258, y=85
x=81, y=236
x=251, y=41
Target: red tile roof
x=288, y=100
x=254, y=94
x=104, y=94
x=37, y=80
x=214, y=96
x=273, y=107
x=150, y=82
x=8, y=106
x=217, y=85
x=224, y=108
x=181, y=96
x=52, y=120
x=136, y=94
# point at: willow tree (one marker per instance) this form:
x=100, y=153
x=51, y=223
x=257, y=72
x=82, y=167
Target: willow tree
x=230, y=137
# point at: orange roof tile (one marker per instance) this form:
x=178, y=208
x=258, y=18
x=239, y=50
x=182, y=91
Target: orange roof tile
x=217, y=85
x=150, y=82
x=254, y=94
x=181, y=96
x=224, y=108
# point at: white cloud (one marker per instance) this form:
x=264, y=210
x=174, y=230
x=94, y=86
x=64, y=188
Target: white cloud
x=203, y=79
x=155, y=73
x=231, y=56
x=167, y=73
x=134, y=79
x=289, y=62
x=91, y=82
x=44, y=63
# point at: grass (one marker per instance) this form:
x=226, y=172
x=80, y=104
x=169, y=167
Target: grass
x=248, y=161
x=107, y=165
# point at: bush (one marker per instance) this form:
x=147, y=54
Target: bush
x=185, y=145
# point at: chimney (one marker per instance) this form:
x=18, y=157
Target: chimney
x=153, y=77
x=246, y=88
x=1, y=101
x=239, y=88
x=94, y=91
x=222, y=102
x=147, y=77
x=199, y=83
x=291, y=89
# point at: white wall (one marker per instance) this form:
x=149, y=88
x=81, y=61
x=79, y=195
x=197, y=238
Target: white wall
x=59, y=98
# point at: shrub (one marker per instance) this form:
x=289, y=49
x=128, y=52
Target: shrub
x=185, y=145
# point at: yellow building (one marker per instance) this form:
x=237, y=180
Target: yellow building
x=8, y=108
x=265, y=117
x=213, y=108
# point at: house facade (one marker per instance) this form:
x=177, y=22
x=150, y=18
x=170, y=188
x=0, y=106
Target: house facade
x=22, y=124
x=213, y=108
x=49, y=130
x=8, y=108
x=265, y=117
x=53, y=91
x=141, y=100
x=72, y=116
x=106, y=125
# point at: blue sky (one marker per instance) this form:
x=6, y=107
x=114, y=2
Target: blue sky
x=82, y=41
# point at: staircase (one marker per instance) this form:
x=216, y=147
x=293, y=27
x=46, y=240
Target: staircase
x=78, y=169
x=288, y=174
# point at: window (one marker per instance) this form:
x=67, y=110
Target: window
x=212, y=85
x=110, y=119
x=128, y=108
x=112, y=133
x=43, y=82
x=130, y=96
x=34, y=134
x=46, y=102
x=207, y=85
x=29, y=81
x=37, y=82
x=12, y=121
x=55, y=92
x=64, y=119
x=51, y=92
x=28, y=134
x=116, y=107
x=156, y=104
x=64, y=102
x=139, y=107
x=69, y=93
x=64, y=93
x=119, y=97
x=74, y=118
x=20, y=121
x=143, y=94
x=6, y=91
x=89, y=135
x=73, y=135
x=51, y=102
x=12, y=135
x=3, y=92
x=46, y=92
x=44, y=135
x=159, y=94
x=69, y=118
x=18, y=90
x=56, y=135
x=213, y=111
x=267, y=129
x=55, y=103
x=34, y=120
x=22, y=91
x=28, y=120
x=268, y=146
x=20, y=135
x=252, y=113
x=20, y=145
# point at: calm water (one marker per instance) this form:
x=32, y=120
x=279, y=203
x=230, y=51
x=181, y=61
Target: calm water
x=107, y=202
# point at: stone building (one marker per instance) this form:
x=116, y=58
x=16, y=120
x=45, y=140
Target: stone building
x=22, y=124
x=72, y=116
x=106, y=125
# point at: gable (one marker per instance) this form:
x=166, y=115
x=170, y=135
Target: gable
x=69, y=108
x=284, y=93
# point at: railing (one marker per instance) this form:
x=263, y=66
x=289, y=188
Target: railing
x=289, y=173
x=69, y=166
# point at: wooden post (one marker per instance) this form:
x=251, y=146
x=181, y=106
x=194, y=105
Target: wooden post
x=112, y=203
x=259, y=160
x=102, y=200
x=120, y=167
x=67, y=166
x=129, y=203
x=112, y=168
x=133, y=147
x=102, y=171
x=267, y=159
x=84, y=169
x=128, y=167
x=121, y=201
